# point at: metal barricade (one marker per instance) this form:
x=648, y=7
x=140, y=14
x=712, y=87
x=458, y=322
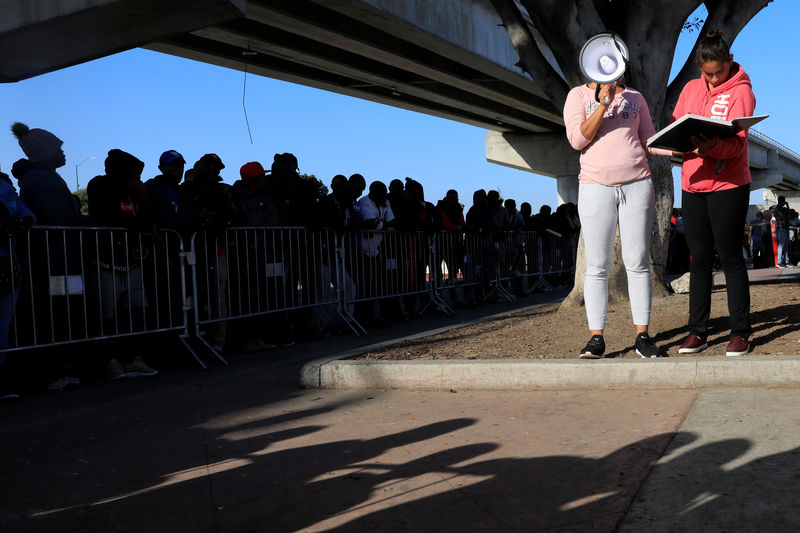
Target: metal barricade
x=530, y=263
x=387, y=265
x=455, y=266
x=86, y=283
x=558, y=254
x=254, y=271
x=89, y=283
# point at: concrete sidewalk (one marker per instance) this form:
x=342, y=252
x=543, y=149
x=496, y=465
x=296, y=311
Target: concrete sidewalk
x=254, y=454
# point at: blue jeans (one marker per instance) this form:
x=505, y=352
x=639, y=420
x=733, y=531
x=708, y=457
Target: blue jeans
x=783, y=245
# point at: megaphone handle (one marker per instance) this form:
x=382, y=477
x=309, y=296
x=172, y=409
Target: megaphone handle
x=606, y=99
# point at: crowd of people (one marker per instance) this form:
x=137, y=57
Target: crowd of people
x=759, y=248
x=194, y=199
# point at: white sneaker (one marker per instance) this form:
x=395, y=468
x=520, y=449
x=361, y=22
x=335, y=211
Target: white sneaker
x=63, y=383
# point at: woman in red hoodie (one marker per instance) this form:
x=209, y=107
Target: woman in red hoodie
x=715, y=183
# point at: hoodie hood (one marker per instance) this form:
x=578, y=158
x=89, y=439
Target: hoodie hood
x=121, y=164
x=740, y=77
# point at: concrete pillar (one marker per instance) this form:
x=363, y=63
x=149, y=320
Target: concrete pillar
x=547, y=154
x=567, y=188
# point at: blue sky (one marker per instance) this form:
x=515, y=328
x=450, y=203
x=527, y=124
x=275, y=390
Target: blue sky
x=146, y=102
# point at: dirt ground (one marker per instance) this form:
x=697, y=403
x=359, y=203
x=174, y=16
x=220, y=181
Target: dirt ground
x=546, y=333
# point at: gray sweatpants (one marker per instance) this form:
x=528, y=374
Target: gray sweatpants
x=600, y=208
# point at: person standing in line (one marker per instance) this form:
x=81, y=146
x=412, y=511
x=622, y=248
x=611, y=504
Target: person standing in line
x=756, y=239
x=715, y=183
x=15, y=217
x=615, y=186
x=782, y=215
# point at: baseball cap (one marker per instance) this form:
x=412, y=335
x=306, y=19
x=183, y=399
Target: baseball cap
x=212, y=160
x=251, y=170
x=169, y=156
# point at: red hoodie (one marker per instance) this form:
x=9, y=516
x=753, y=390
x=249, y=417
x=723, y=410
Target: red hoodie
x=725, y=166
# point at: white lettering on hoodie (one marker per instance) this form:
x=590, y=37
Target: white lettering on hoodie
x=720, y=106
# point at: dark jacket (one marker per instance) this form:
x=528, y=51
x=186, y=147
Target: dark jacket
x=47, y=195
x=115, y=202
x=168, y=203
x=254, y=209
x=209, y=206
x=451, y=215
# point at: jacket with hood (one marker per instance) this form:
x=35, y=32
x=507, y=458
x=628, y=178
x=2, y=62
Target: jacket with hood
x=111, y=202
x=725, y=165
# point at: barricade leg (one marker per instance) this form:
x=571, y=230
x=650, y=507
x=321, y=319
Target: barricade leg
x=436, y=279
x=345, y=287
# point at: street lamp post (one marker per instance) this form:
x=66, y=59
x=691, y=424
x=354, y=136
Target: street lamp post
x=77, y=186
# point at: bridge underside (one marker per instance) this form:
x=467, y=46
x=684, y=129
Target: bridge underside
x=357, y=49
x=351, y=47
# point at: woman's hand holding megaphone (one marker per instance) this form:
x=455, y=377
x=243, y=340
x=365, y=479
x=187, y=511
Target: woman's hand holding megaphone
x=605, y=92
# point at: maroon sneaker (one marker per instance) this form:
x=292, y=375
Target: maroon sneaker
x=693, y=344
x=738, y=346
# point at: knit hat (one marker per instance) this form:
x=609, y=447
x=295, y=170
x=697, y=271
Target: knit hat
x=38, y=144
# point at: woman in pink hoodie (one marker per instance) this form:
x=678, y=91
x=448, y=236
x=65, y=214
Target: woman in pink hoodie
x=715, y=183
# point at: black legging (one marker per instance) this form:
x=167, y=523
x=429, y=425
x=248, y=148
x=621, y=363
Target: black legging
x=717, y=218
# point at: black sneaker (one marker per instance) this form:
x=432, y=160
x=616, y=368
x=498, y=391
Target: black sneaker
x=645, y=347
x=594, y=348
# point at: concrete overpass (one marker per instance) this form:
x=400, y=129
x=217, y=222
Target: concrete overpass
x=448, y=58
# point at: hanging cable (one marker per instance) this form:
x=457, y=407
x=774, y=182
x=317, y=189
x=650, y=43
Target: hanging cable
x=244, y=94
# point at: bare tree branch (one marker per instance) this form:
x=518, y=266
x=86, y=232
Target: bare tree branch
x=531, y=58
x=725, y=15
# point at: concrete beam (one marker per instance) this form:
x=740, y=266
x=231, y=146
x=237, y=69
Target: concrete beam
x=377, y=45
x=40, y=36
x=543, y=153
x=466, y=31
x=181, y=47
x=365, y=71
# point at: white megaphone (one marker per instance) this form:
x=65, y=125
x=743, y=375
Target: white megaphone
x=603, y=60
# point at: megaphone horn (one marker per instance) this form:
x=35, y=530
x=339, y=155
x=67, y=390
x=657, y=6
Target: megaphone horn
x=603, y=59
